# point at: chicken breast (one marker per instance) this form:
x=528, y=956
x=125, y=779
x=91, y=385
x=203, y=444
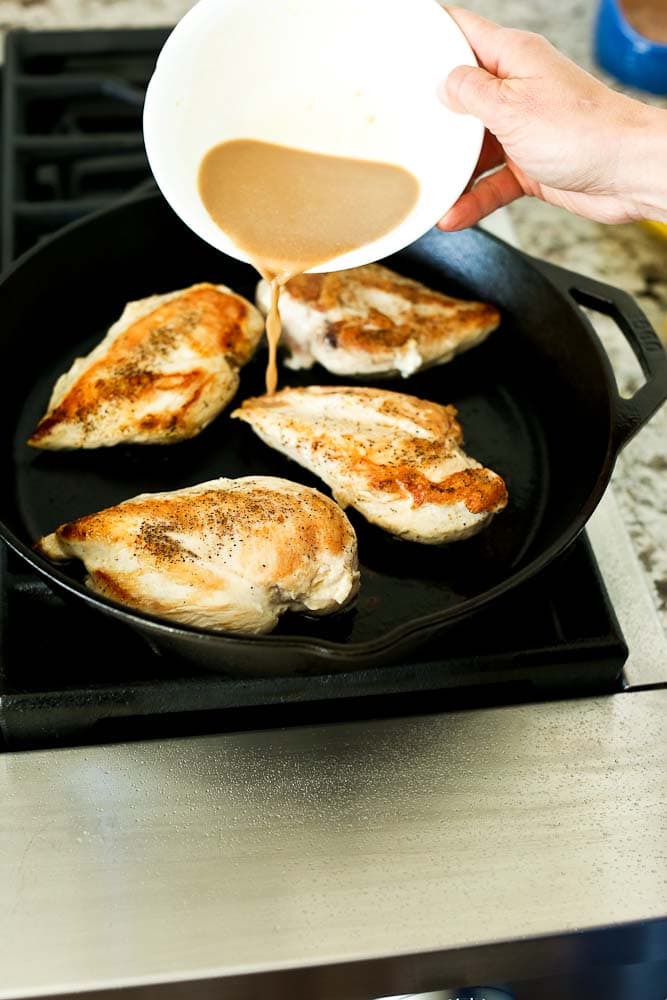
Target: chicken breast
x=230, y=554
x=162, y=373
x=370, y=321
x=397, y=459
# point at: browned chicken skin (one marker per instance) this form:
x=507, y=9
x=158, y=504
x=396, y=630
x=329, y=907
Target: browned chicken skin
x=371, y=321
x=162, y=373
x=230, y=554
x=395, y=458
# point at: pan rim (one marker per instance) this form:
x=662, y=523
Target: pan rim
x=324, y=649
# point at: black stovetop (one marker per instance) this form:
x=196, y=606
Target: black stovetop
x=71, y=143
x=71, y=127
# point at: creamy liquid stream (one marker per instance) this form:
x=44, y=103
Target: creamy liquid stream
x=290, y=210
x=273, y=331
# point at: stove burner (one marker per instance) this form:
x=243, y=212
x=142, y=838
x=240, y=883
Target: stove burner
x=72, y=138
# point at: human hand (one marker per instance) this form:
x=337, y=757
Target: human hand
x=554, y=132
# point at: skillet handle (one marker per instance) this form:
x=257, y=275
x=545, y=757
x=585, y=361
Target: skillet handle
x=630, y=415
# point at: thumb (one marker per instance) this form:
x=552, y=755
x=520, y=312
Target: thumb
x=471, y=90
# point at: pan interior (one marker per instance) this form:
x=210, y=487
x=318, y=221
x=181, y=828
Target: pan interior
x=508, y=424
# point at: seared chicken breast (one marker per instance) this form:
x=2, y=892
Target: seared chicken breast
x=397, y=459
x=164, y=370
x=230, y=554
x=370, y=321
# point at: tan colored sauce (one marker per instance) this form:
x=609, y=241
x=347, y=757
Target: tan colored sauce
x=273, y=331
x=290, y=210
x=648, y=17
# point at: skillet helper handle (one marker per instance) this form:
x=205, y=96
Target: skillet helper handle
x=630, y=415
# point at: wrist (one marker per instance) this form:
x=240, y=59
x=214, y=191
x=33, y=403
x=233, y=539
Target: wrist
x=642, y=177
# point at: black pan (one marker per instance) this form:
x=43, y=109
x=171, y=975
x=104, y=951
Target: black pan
x=538, y=403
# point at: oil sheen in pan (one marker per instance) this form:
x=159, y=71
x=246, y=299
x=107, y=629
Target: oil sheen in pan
x=397, y=577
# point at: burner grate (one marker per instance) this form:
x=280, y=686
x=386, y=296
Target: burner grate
x=71, y=127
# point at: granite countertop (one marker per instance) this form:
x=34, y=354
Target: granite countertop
x=626, y=256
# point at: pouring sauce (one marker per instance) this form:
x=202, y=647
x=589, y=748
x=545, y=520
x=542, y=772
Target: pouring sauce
x=290, y=210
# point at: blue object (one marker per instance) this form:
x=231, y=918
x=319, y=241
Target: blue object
x=627, y=55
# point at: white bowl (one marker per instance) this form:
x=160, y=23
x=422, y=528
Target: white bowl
x=354, y=78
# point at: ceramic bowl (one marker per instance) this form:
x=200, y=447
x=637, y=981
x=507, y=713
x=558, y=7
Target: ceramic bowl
x=354, y=78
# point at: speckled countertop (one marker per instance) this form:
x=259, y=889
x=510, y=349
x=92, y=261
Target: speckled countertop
x=626, y=256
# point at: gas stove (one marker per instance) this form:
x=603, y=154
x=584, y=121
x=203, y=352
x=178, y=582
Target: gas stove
x=72, y=143
x=331, y=836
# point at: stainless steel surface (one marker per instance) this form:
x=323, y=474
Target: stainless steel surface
x=227, y=855
x=628, y=590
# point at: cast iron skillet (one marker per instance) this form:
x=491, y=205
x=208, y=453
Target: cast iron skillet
x=538, y=403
